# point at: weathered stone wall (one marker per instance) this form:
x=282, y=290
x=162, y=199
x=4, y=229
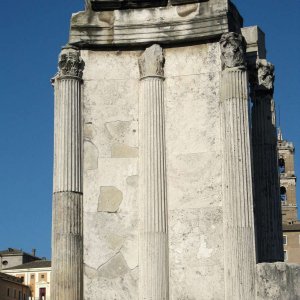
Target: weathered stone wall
x=193, y=156
x=278, y=281
x=194, y=172
x=110, y=112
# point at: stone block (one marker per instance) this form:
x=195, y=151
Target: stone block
x=110, y=24
x=110, y=199
x=255, y=39
x=278, y=281
x=196, y=254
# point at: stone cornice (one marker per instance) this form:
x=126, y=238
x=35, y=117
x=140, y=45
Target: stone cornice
x=163, y=25
x=102, y=5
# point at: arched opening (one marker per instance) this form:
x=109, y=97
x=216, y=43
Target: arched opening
x=281, y=164
x=283, y=194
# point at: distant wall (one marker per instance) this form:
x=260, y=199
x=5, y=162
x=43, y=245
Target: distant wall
x=12, y=261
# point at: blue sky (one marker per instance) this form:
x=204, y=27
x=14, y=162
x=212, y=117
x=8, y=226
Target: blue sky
x=32, y=33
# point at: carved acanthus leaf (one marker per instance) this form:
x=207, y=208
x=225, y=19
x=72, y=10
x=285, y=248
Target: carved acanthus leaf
x=232, y=50
x=265, y=75
x=151, y=63
x=70, y=63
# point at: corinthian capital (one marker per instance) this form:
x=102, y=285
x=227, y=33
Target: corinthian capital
x=232, y=50
x=151, y=62
x=70, y=63
x=265, y=75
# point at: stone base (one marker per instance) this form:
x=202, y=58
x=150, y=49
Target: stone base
x=279, y=281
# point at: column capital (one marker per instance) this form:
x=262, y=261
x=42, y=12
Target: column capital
x=233, y=50
x=70, y=63
x=151, y=62
x=265, y=76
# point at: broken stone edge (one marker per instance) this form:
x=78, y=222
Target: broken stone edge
x=124, y=28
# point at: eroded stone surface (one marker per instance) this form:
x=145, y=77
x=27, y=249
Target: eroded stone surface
x=196, y=254
x=118, y=288
x=110, y=199
x=121, y=150
x=193, y=154
x=91, y=154
x=278, y=281
x=114, y=268
x=165, y=25
x=233, y=49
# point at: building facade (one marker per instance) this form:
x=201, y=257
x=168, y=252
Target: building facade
x=13, y=288
x=156, y=193
x=36, y=275
x=286, y=152
x=288, y=179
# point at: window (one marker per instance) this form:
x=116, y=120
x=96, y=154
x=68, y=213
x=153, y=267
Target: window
x=5, y=262
x=281, y=164
x=285, y=255
x=284, y=240
x=43, y=276
x=283, y=197
x=20, y=296
x=15, y=294
x=8, y=292
x=32, y=276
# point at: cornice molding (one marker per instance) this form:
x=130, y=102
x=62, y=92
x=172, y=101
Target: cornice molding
x=105, y=5
x=144, y=27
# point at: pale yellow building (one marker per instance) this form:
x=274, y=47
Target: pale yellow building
x=12, y=288
x=36, y=275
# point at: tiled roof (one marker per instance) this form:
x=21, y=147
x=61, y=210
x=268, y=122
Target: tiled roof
x=10, y=278
x=33, y=265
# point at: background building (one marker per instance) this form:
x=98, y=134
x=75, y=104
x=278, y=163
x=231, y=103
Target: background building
x=36, y=275
x=12, y=288
x=13, y=257
x=291, y=224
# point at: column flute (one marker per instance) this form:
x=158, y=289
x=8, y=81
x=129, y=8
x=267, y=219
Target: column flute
x=67, y=248
x=239, y=239
x=153, y=244
x=266, y=179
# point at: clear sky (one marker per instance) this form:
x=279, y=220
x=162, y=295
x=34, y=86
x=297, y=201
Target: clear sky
x=32, y=33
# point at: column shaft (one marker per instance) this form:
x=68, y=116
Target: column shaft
x=265, y=158
x=67, y=246
x=239, y=240
x=154, y=267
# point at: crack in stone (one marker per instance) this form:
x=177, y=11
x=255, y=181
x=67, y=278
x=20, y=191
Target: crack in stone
x=110, y=259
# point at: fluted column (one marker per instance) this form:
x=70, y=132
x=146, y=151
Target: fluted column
x=67, y=249
x=267, y=210
x=239, y=239
x=153, y=244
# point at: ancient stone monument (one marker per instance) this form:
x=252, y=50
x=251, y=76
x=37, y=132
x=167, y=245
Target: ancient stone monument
x=165, y=186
